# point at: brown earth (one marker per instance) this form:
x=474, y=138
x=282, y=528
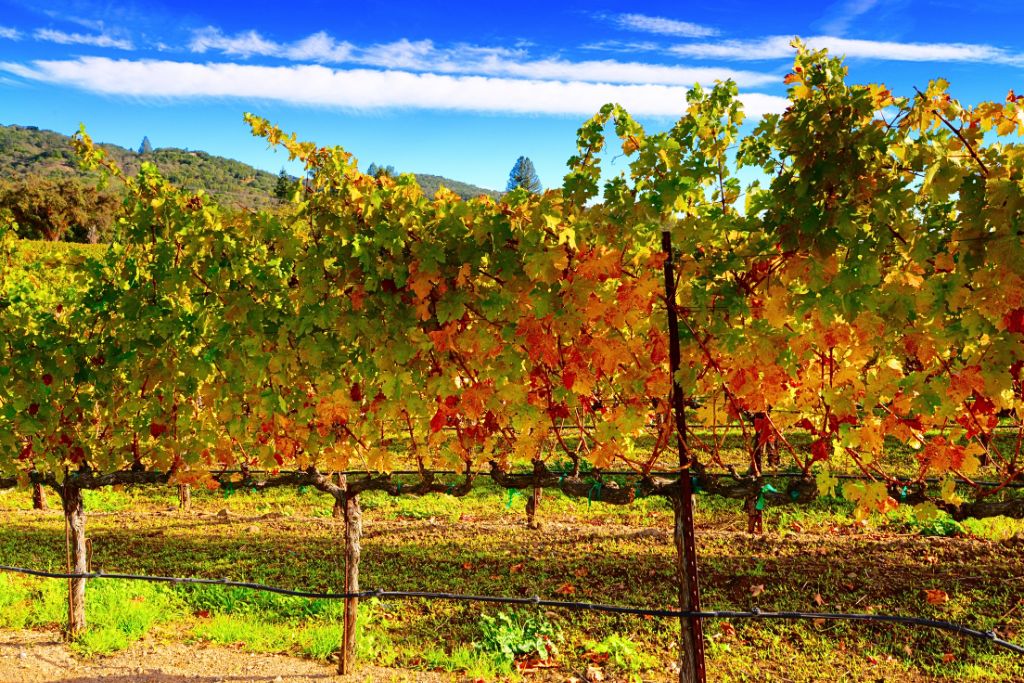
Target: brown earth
x=41, y=657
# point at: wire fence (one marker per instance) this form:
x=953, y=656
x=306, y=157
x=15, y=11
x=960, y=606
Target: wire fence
x=535, y=601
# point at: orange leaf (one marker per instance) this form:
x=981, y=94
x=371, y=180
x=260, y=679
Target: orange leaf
x=756, y=589
x=516, y=568
x=935, y=596
x=566, y=589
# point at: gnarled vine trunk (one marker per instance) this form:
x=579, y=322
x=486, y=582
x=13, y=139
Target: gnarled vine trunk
x=353, y=535
x=184, y=496
x=74, y=515
x=39, y=497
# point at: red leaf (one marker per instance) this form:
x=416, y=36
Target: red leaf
x=819, y=450
x=438, y=421
x=1014, y=321
x=568, y=379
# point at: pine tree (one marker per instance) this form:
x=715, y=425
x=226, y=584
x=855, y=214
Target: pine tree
x=285, y=186
x=524, y=175
x=145, y=147
x=378, y=171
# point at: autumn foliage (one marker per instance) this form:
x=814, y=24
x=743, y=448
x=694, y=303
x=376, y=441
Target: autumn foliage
x=866, y=291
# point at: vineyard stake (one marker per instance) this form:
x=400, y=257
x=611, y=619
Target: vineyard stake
x=691, y=665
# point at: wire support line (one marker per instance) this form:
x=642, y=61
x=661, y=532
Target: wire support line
x=537, y=601
x=585, y=474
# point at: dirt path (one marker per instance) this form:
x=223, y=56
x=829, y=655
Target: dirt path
x=41, y=657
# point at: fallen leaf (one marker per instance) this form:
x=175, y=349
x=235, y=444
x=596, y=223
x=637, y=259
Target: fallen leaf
x=467, y=565
x=819, y=622
x=594, y=674
x=566, y=589
x=516, y=568
x=202, y=614
x=797, y=527
x=727, y=629
x=948, y=657
x=581, y=572
x=756, y=589
x=596, y=657
x=936, y=596
x=818, y=600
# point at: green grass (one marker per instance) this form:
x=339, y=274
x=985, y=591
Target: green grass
x=479, y=544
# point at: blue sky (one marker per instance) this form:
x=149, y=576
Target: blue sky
x=457, y=89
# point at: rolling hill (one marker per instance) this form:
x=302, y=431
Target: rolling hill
x=28, y=150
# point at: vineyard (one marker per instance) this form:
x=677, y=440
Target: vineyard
x=834, y=346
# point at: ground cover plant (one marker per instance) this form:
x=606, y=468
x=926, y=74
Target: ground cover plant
x=857, y=322
x=480, y=544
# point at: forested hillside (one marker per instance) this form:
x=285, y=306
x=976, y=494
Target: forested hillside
x=28, y=150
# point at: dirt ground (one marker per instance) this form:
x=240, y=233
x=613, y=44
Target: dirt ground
x=41, y=657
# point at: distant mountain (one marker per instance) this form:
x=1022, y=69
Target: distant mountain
x=28, y=150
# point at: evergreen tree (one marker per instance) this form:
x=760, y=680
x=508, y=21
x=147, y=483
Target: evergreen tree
x=378, y=171
x=145, y=147
x=524, y=175
x=284, y=188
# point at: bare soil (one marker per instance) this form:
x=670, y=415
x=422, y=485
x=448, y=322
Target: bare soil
x=42, y=657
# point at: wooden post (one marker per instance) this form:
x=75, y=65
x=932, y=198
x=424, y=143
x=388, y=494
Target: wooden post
x=74, y=515
x=39, y=497
x=691, y=664
x=184, y=496
x=353, y=534
x=532, y=504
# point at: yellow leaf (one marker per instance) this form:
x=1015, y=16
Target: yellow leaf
x=776, y=311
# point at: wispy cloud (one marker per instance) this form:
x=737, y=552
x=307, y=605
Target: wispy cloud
x=362, y=89
x=94, y=39
x=663, y=26
x=845, y=13
x=778, y=47
x=10, y=33
x=622, y=46
x=464, y=59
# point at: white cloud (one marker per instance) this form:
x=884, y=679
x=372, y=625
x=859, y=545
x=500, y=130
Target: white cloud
x=10, y=33
x=96, y=40
x=846, y=12
x=424, y=56
x=663, y=26
x=363, y=89
x=621, y=46
x=244, y=44
x=778, y=47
